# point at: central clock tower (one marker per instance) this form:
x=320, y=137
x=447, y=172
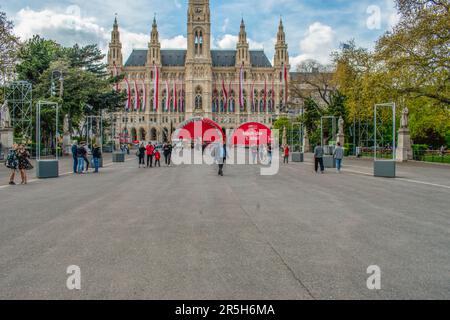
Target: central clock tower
x=198, y=59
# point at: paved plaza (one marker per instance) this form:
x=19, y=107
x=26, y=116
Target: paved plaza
x=182, y=232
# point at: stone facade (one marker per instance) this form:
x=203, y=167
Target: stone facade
x=199, y=75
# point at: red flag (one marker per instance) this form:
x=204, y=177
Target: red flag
x=137, y=104
x=285, y=85
x=273, y=95
x=265, y=94
x=225, y=94
x=241, y=86
x=175, y=96
x=252, y=96
x=128, y=104
x=155, y=88
x=144, y=91
x=167, y=96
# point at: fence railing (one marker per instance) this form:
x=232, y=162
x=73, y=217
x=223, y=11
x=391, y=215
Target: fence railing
x=436, y=156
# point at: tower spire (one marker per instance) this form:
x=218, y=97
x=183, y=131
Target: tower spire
x=115, y=47
x=242, y=55
x=154, y=46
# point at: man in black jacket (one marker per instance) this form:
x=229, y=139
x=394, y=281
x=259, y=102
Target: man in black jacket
x=74, y=156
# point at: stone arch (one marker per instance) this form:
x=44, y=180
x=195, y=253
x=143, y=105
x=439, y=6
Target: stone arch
x=165, y=135
x=142, y=134
x=133, y=136
x=153, y=134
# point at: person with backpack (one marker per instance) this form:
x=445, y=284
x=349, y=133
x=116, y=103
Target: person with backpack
x=150, y=149
x=318, y=158
x=81, y=153
x=167, y=150
x=12, y=163
x=96, y=155
x=157, y=158
x=74, y=156
x=24, y=164
x=338, y=155
x=141, y=155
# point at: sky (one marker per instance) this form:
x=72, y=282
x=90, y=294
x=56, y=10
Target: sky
x=313, y=29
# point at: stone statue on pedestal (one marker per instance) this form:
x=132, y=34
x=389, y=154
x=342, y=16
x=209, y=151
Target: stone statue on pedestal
x=5, y=116
x=404, y=149
x=404, y=122
x=306, y=146
x=6, y=130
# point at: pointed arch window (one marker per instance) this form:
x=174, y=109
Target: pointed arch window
x=198, y=98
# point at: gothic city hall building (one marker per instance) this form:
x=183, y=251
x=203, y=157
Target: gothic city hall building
x=166, y=88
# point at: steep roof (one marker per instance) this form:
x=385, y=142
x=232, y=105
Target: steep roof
x=177, y=58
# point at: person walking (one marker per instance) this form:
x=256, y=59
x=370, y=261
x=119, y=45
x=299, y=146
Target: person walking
x=318, y=158
x=254, y=151
x=74, y=156
x=85, y=156
x=24, y=164
x=150, y=149
x=338, y=155
x=167, y=151
x=96, y=156
x=286, y=152
x=81, y=153
x=141, y=154
x=220, y=156
x=157, y=159
x=12, y=163
x=269, y=153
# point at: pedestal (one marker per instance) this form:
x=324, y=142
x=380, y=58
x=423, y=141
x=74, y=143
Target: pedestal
x=47, y=169
x=306, y=146
x=7, y=138
x=341, y=139
x=297, y=157
x=384, y=168
x=67, y=144
x=404, y=149
x=118, y=157
x=328, y=162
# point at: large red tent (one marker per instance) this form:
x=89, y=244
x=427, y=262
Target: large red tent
x=251, y=133
x=199, y=128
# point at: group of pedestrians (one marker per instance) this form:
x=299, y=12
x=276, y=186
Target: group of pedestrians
x=18, y=159
x=338, y=155
x=153, y=155
x=80, y=158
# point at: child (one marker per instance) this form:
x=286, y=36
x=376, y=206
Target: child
x=157, y=159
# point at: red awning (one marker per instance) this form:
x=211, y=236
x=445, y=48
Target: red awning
x=195, y=129
x=251, y=133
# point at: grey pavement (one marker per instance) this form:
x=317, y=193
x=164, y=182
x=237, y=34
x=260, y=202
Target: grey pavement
x=185, y=233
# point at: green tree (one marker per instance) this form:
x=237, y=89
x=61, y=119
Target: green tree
x=9, y=44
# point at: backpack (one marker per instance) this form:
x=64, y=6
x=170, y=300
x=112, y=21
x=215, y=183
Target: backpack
x=11, y=160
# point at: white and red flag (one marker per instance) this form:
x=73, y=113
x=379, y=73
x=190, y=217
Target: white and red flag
x=241, y=86
x=273, y=95
x=155, y=88
x=252, y=96
x=286, y=85
x=137, y=102
x=167, y=96
x=144, y=92
x=175, y=96
x=265, y=94
x=128, y=104
x=225, y=94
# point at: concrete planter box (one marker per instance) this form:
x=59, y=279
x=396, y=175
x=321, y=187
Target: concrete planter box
x=118, y=157
x=297, y=157
x=384, y=168
x=329, y=162
x=47, y=169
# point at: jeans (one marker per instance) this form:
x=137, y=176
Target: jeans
x=286, y=159
x=150, y=161
x=75, y=164
x=317, y=162
x=338, y=164
x=80, y=165
x=96, y=164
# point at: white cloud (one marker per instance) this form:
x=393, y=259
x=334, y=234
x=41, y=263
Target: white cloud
x=225, y=25
x=177, y=42
x=318, y=43
x=229, y=41
x=69, y=27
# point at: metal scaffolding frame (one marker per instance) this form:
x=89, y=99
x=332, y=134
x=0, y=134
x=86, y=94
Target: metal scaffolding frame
x=19, y=95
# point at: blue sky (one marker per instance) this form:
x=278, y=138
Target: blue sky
x=313, y=28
